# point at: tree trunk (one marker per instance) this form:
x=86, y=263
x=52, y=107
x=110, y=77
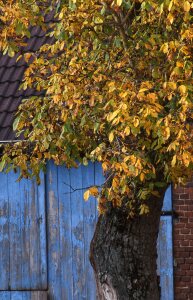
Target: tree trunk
x=123, y=254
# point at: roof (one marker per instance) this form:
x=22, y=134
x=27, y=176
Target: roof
x=11, y=75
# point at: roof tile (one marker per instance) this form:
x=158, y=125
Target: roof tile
x=9, y=104
x=6, y=134
x=11, y=75
x=6, y=119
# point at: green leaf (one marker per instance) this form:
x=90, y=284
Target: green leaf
x=16, y=123
x=2, y=165
x=85, y=161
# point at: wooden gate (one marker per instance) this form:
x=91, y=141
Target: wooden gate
x=45, y=233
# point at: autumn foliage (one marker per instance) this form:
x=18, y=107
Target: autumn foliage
x=118, y=88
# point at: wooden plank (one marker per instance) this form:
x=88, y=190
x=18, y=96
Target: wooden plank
x=5, y=295
x=165, y=252
x=21, y=295
x=79, y=280
x=90, y=219
x=4, y=234
x=15, y=272
x=167, y=204
x=41, y=199
x=39, y=295
x=37, y=237
x=53, y=232
x=65, y=224
x=27, y=235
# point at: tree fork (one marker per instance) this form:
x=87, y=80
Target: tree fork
x=123, y=254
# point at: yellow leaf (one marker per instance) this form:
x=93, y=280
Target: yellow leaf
x=124, y=149
x=172, y=85
x=179, y=64
x=105, y=166
x=142, y=176
x=112, y=86
x=19, y=57
x=111, y=116
x=124, y=106
x=127, y=131
x=173, y=161
x=111, y=136
x=152, y=97
x=165, y=48
x=116, y=121
x=143, y=90
x=119, y=2
x=56, y=98
x=182, y=89
x=179, y=134
x=170, y=5
x=187, y=6
x=144, y=209
x=182, y=116
x=186, y=159
x=170, y=18
x=124, y=95
x=27, y=56
x=115, y=182
x=86, y=195
x=167, y=133
x=61, y=15
x=94, y=191
x=136, y=122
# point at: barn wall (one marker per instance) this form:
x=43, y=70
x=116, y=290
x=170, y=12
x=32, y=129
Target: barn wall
x=45, y=234
x=183, y=242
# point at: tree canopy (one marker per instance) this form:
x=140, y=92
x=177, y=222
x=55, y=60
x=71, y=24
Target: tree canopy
x=118, y=89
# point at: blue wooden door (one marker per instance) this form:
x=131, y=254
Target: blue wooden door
x=23, y=258
x=165, y=249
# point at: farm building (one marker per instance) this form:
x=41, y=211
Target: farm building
x=45, y=230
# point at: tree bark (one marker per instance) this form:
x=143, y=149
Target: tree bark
x=123, y=254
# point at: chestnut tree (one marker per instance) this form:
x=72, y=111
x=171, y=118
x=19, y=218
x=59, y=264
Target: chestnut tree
x=117, y=88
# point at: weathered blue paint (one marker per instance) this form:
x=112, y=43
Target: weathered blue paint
x=21, y=295
x=165, y=250
x=27, y=244
x=90, y=218
x=71, y=223
x=53, y=233
x=167, y=205
x=65, y=222
x=77, y=234
x=4, y=234
x=23, y=260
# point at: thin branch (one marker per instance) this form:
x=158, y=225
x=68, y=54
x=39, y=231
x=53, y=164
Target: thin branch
x=73, y=190
x=78, y=189
x=118, y=23
x=130, y=11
